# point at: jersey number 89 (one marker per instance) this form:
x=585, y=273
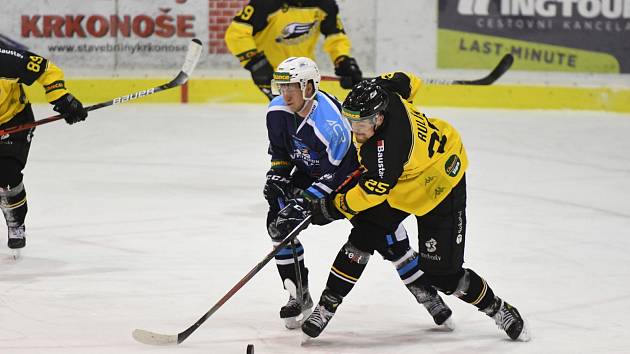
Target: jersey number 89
x=34, y=63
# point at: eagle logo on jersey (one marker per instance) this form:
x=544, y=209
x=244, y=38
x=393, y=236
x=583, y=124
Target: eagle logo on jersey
x=303, y=153
x=295, y=32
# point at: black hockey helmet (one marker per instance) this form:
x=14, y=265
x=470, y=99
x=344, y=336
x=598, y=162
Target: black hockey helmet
x=365, y=100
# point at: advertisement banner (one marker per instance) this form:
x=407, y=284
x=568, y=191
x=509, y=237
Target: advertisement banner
x=107, y=35
x=543, y=35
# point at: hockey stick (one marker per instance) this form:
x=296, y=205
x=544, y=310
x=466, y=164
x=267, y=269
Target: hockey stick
x=298, y=275
x=296, y=267
x=153, y=338
x=504, y=65
x=192, y=56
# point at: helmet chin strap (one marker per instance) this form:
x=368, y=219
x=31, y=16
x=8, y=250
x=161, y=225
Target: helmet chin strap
x=306, y=99
x=376, y=126
x=304, y=106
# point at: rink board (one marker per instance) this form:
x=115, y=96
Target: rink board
x=219, y=90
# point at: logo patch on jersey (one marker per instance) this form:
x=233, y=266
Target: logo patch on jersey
x=380, y=148
x=431, y=245
x=295, y=33
x=302, y=153
x=452, y=165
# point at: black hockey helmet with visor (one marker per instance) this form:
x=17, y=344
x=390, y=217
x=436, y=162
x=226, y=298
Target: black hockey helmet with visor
x=365, y=101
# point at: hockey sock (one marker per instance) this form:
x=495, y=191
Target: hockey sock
x=474, y=290
x=13, y=204
x=285, y=264
x=408, y=267
x=347, y=269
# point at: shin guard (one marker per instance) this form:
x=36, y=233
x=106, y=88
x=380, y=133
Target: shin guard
x=13, y=205
x=347, y=269
x=474, y=290
x=286, y=264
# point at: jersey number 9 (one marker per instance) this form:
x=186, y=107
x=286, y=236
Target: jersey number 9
x=246, y=13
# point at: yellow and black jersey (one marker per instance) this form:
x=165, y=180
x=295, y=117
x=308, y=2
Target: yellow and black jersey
x=412, y=161
x=283, y=29
x=19, y=67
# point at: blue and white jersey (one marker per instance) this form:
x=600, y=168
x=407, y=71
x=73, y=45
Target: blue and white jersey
x=319, y=145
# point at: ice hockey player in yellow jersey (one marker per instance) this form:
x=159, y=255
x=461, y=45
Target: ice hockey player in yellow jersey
x=266, y=32
x=413, y=165
x=19, y=67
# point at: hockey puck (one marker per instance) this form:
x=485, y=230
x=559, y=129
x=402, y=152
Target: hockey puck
x=250, y=349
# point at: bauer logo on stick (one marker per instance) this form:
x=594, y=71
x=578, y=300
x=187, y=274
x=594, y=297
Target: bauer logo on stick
x=133, y=96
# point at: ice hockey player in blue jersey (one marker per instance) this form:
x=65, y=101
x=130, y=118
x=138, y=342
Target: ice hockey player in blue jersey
x=311, y=155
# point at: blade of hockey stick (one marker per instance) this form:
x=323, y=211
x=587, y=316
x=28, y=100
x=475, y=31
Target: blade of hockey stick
x=504, y=65
x=153, y=338
x=192, y=57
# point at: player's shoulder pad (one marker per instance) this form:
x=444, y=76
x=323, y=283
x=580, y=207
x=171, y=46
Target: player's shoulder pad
x=397, y=82
x=331, y=127
x=265, y=6
x=328, y=6
x=255, y=13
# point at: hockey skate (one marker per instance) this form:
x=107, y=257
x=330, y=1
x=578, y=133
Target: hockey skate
x=294, y=312
x=437, y=308
x=508, y=319
x=324, y=311
x=17, y=240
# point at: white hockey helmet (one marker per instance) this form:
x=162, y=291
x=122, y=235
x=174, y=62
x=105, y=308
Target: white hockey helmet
x=296, y=69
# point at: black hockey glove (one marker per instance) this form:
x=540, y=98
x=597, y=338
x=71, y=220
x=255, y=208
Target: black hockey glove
x=262, y=73
x=70, y=108
x=288, y=218
x=348, y=70
x=323, y=211
x=277, y=190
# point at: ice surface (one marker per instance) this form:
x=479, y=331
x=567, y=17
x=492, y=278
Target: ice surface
x=146, y=215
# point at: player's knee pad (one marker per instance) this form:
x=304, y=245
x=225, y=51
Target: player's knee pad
x=369, y=237
x=354, y=254
x=448, y=283
x=361, y=238
x=394, y=245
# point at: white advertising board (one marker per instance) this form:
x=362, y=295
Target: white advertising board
x=107, y=35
